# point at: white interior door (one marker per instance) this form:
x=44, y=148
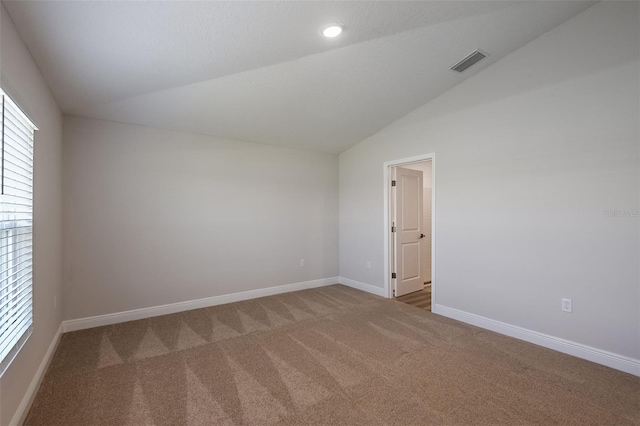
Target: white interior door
x=407, y=216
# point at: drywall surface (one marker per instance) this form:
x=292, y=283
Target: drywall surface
x=155, y=217
x=531, y=155
x=22, y=80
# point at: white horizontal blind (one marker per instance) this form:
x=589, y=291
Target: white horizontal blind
x=16, y=224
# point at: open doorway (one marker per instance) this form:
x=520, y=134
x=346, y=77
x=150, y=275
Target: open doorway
x=409, y=219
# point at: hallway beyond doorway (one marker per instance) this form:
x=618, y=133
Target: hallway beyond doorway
x=420, y=299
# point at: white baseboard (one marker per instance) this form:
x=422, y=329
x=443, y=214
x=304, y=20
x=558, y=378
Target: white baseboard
x=154, y=311
x=362, y=286
x=599, y=356
x=23, y=409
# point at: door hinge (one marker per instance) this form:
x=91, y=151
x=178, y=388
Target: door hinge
x=393, y=275
x=393, y=183
x=393, y=229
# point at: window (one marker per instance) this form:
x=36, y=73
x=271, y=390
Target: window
x=16, y=228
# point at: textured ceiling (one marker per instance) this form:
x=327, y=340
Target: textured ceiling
x=261, y=71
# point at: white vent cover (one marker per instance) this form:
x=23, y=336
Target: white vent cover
x=472, y=59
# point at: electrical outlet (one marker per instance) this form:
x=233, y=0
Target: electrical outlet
x=368, y=264
x=55, y=302
x=566, y=305
x=302, y=263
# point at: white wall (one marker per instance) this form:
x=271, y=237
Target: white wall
x=529, y=154
x=22, y=80
x=155, y=217
x=425, y=258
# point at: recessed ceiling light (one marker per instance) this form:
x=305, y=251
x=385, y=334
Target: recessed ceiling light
x=332, y=30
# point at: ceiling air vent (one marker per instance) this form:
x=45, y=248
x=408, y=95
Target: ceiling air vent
x=475, y=57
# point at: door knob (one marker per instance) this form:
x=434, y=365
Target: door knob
x=422, y=235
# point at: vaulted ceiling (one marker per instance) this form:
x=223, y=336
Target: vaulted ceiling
x=261, y=71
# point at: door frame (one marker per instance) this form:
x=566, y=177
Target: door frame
x=388, y=240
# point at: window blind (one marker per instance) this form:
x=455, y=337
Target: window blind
x=16, y=228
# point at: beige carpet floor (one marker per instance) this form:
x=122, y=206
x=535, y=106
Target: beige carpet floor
x=333, y=356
